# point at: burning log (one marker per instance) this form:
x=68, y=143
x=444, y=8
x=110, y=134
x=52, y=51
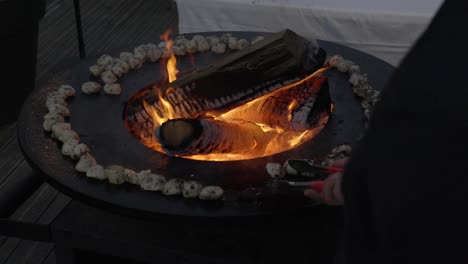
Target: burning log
x=207, y=136
x=272, y=123
x=312, y=111
x=243, y=75
x=289, y=108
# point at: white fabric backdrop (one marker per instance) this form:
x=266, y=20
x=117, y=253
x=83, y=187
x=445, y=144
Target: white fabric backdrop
x=384, y=28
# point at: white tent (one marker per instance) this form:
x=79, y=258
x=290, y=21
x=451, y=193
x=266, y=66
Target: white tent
x=383, y=28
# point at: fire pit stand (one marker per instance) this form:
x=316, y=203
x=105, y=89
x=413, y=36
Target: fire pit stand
x=153, y=228
x=82, y=232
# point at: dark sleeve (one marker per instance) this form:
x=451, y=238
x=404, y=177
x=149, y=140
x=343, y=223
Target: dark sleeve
x=406, y=187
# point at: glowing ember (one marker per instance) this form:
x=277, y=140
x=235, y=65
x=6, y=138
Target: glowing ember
x=266, y=139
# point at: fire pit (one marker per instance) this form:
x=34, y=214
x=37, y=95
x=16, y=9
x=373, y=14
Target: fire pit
x=98, y=120
x=263, y=100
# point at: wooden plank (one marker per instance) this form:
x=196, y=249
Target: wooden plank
x=30, y=252
x=10, y=158
x=17, y=187
x=50, y=259
x=41, y=208
x=52, y=6
x=56, y=40
x=33, y=208
x=126, y=23
x=54, y=209
x=7, y=134
x=30, y=211
x=130, y=23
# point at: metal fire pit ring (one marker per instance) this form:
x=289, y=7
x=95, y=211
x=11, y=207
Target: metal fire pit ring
x=98, y=120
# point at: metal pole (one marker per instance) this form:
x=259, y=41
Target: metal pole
x=79, y=29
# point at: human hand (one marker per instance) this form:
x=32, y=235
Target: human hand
x=332, y=193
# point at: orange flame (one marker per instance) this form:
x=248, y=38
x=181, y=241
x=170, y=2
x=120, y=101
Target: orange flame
x=290, y=109
x=171, y=65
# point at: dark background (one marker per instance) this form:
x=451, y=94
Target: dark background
x=107, y=25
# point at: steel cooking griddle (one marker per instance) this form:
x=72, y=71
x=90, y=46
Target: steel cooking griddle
x=98, y=120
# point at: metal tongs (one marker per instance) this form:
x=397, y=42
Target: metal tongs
x=316, y=185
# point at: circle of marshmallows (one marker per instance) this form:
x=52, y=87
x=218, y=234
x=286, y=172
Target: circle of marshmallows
x=110, y=69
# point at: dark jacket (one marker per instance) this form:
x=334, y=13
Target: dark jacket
x=406, y=187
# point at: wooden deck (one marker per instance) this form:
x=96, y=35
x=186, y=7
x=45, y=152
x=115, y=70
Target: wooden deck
x=107, y=25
